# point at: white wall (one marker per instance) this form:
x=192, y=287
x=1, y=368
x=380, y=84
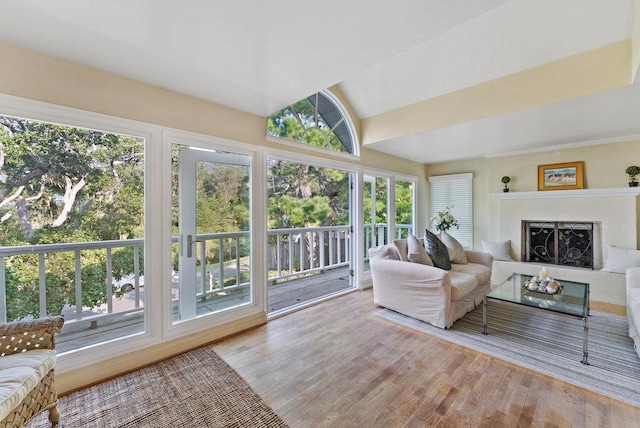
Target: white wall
x=499, y=219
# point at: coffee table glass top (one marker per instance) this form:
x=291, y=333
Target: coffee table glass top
x=573, y=300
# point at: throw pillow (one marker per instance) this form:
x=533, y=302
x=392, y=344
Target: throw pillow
x=500, y=250
x=619, y=259
x=456, y=252
x=437, y=251
x=416, y=252
x=401, y=246
x=383, y=252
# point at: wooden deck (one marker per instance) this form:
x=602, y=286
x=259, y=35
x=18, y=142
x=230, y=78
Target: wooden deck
x=280, y=296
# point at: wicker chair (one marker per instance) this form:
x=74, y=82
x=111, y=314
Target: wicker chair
x=22, y=337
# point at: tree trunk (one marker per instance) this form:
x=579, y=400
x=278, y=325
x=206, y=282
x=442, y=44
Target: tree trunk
x=23, y=217
x=69, y=198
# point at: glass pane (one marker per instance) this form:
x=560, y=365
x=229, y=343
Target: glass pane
x=217, y=274
x=71, y=209
x=315, y=121
x=308, y=233
x=382, y=210
x=404, y=209
x=375, y=210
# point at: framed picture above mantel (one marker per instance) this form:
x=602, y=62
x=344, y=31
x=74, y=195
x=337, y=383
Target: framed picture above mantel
x=561, y=176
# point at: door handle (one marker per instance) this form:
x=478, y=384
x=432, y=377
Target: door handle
x=190, y=242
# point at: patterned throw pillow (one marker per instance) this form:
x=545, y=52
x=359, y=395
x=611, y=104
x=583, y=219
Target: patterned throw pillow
x=437, y=251
x=456, y=251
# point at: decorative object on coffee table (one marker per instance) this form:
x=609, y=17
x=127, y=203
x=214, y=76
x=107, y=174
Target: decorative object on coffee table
x=561, y=176
x=505, y=181
x=633, y=171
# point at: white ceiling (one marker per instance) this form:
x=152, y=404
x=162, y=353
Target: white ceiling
x=258, y=56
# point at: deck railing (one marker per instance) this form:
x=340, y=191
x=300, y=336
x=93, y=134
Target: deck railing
x=221, y=264
x=376, y=234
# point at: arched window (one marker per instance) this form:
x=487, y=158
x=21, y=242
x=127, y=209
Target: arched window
x=319, y=120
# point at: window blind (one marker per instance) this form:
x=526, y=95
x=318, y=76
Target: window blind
x=454, y=191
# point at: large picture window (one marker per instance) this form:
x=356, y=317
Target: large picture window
x=71, y=216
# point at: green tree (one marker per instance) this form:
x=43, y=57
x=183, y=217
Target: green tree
x=64, y=184
x=302, y=195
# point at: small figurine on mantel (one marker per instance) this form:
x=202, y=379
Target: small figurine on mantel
x=505, y=181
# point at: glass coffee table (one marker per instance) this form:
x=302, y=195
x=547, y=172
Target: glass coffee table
x=572, y=300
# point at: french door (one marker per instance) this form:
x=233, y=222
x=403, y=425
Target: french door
x=213, y=257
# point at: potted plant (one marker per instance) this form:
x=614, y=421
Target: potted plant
x=443, y=220
x=632, y=171
x=505, y=181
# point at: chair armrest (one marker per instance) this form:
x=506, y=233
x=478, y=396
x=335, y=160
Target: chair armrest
x=26, y=335
x=633, y=278
x=479, y=257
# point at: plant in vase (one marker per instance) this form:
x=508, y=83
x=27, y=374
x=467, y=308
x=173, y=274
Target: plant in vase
x=505, y=181
x=632, y=171
x=443, y=220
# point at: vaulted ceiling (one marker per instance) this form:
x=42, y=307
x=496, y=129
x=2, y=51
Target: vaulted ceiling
x=431, y=80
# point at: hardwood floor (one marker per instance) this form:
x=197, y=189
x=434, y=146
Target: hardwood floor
x=337, y=364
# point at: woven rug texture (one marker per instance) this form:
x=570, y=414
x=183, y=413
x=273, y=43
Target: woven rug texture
x=549, y=343
x=195, y=389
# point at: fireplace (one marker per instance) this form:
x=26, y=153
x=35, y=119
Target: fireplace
x=560, y=243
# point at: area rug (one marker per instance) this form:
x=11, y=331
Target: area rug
x=548, y=343
x=195, y=389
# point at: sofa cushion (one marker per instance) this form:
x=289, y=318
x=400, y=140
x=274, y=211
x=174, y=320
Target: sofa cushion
x=481, y=272
x=384, y=252
x=619, y=259
x=20, y=374
x=461, y=284
x=500, y=250
x=437, y=251
x=401, y=246
x=416, y=252
x=455, y=249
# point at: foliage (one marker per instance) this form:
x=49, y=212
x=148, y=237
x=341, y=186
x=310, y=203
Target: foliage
x=632, y=171
x=63, y=184
x=443, y=220
x=505, y=180
x=302, y=195
x=300, y=123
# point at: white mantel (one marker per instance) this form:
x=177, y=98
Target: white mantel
x=614, y=212
x=581, y=193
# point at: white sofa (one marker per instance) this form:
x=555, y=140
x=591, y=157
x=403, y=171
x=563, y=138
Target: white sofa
x=633, y=305
x=437, y=296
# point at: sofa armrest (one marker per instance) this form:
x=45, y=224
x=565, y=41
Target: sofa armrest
x=479, y=257
x=633, y=278
x=26, y=335
x=394, y=271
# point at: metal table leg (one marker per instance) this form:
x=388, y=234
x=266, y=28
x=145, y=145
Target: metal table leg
x=585, y=331
x=484, y=315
